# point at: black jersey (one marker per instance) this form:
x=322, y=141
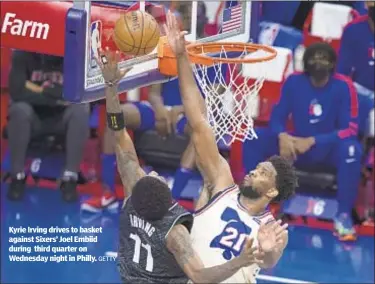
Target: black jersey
x=143, y=256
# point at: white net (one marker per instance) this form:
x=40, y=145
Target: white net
x=231, y=94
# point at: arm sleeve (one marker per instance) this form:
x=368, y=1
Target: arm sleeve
x=345, y=55
x=17, y=78
x=348, y=116
x=281, y=111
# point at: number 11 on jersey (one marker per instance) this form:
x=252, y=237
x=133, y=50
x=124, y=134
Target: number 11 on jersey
x=137, y=252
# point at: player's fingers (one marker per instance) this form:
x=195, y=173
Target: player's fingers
x=257, y=261
x=252, y=250
x=281, y=236
x=117, y=56
x=281, y=229
x=275, y=225
x=165, y=28
x=174, y=21
x=262, y=226
x=169, y=19
x=183, y=33
x=259, y=255
x=249, y=243
x=107, y=53
x=111, y=58
x=100, y=51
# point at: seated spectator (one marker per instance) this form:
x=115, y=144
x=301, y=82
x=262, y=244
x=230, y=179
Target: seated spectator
x=37, y=108
x=323, y=107
x=164, y=113
x=356, y=55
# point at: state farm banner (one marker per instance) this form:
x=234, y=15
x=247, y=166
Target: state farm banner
x=40, y=26
x=34, y=26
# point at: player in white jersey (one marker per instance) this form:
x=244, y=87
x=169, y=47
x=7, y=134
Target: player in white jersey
x=227, y=213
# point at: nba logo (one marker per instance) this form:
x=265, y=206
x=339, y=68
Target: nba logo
x=95, y=44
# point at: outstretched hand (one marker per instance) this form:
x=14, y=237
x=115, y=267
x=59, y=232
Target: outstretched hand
x=108, y=63
x=176, y=38
x=249, y=254
x=271, y=235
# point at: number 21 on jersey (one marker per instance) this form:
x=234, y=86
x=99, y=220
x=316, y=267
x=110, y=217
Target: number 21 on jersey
x=233, y=236
x=137, y=252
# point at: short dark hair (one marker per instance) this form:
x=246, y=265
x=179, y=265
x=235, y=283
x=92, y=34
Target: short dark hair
x=151, y=198
x=311, y=50
x=286, y=178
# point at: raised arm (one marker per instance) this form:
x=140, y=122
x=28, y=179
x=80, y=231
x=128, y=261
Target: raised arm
x=127, y=160
x=180, y=245
x=213, y=165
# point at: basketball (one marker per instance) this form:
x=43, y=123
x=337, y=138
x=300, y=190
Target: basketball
x=136, y=33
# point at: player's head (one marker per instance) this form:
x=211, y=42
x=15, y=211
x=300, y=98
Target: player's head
x=319, y=61
x=274, y=179
x=371, y=10
x=151, y=197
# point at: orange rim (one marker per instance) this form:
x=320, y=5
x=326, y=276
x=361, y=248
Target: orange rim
x=195, y=52
x=167, y=60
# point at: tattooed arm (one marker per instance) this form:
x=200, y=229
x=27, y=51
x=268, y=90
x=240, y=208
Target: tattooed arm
x=127, y=160
x=180, y=245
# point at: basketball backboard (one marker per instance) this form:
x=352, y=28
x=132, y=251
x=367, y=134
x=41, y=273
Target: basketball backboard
x=230, y=21
x=77, y=29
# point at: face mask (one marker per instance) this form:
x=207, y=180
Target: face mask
x=318, y=74
x=249, y=192
x=371, y=13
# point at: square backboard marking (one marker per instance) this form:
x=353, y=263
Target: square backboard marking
x=149, y=63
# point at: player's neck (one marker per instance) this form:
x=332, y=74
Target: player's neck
x=254, y=206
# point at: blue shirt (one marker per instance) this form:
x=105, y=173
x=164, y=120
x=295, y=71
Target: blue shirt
x=171, y=93
x=327, y=113
x=356, y=55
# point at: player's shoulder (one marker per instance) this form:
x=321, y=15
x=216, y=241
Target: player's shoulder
x=177, y=213
x=295, y=79
x=344, y=83
x=226, y=194
x=355, y=25
x=297, y=76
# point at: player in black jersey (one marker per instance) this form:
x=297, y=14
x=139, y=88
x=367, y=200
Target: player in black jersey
x=155, y=245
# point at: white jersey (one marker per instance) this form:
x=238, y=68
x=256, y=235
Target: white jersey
x=220, y=229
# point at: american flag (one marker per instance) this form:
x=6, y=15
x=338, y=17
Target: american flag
x=232, y=18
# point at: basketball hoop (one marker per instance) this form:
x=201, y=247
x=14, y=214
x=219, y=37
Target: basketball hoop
x=221, y=69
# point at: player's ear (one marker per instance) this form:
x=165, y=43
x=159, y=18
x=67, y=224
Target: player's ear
x=272, y=193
